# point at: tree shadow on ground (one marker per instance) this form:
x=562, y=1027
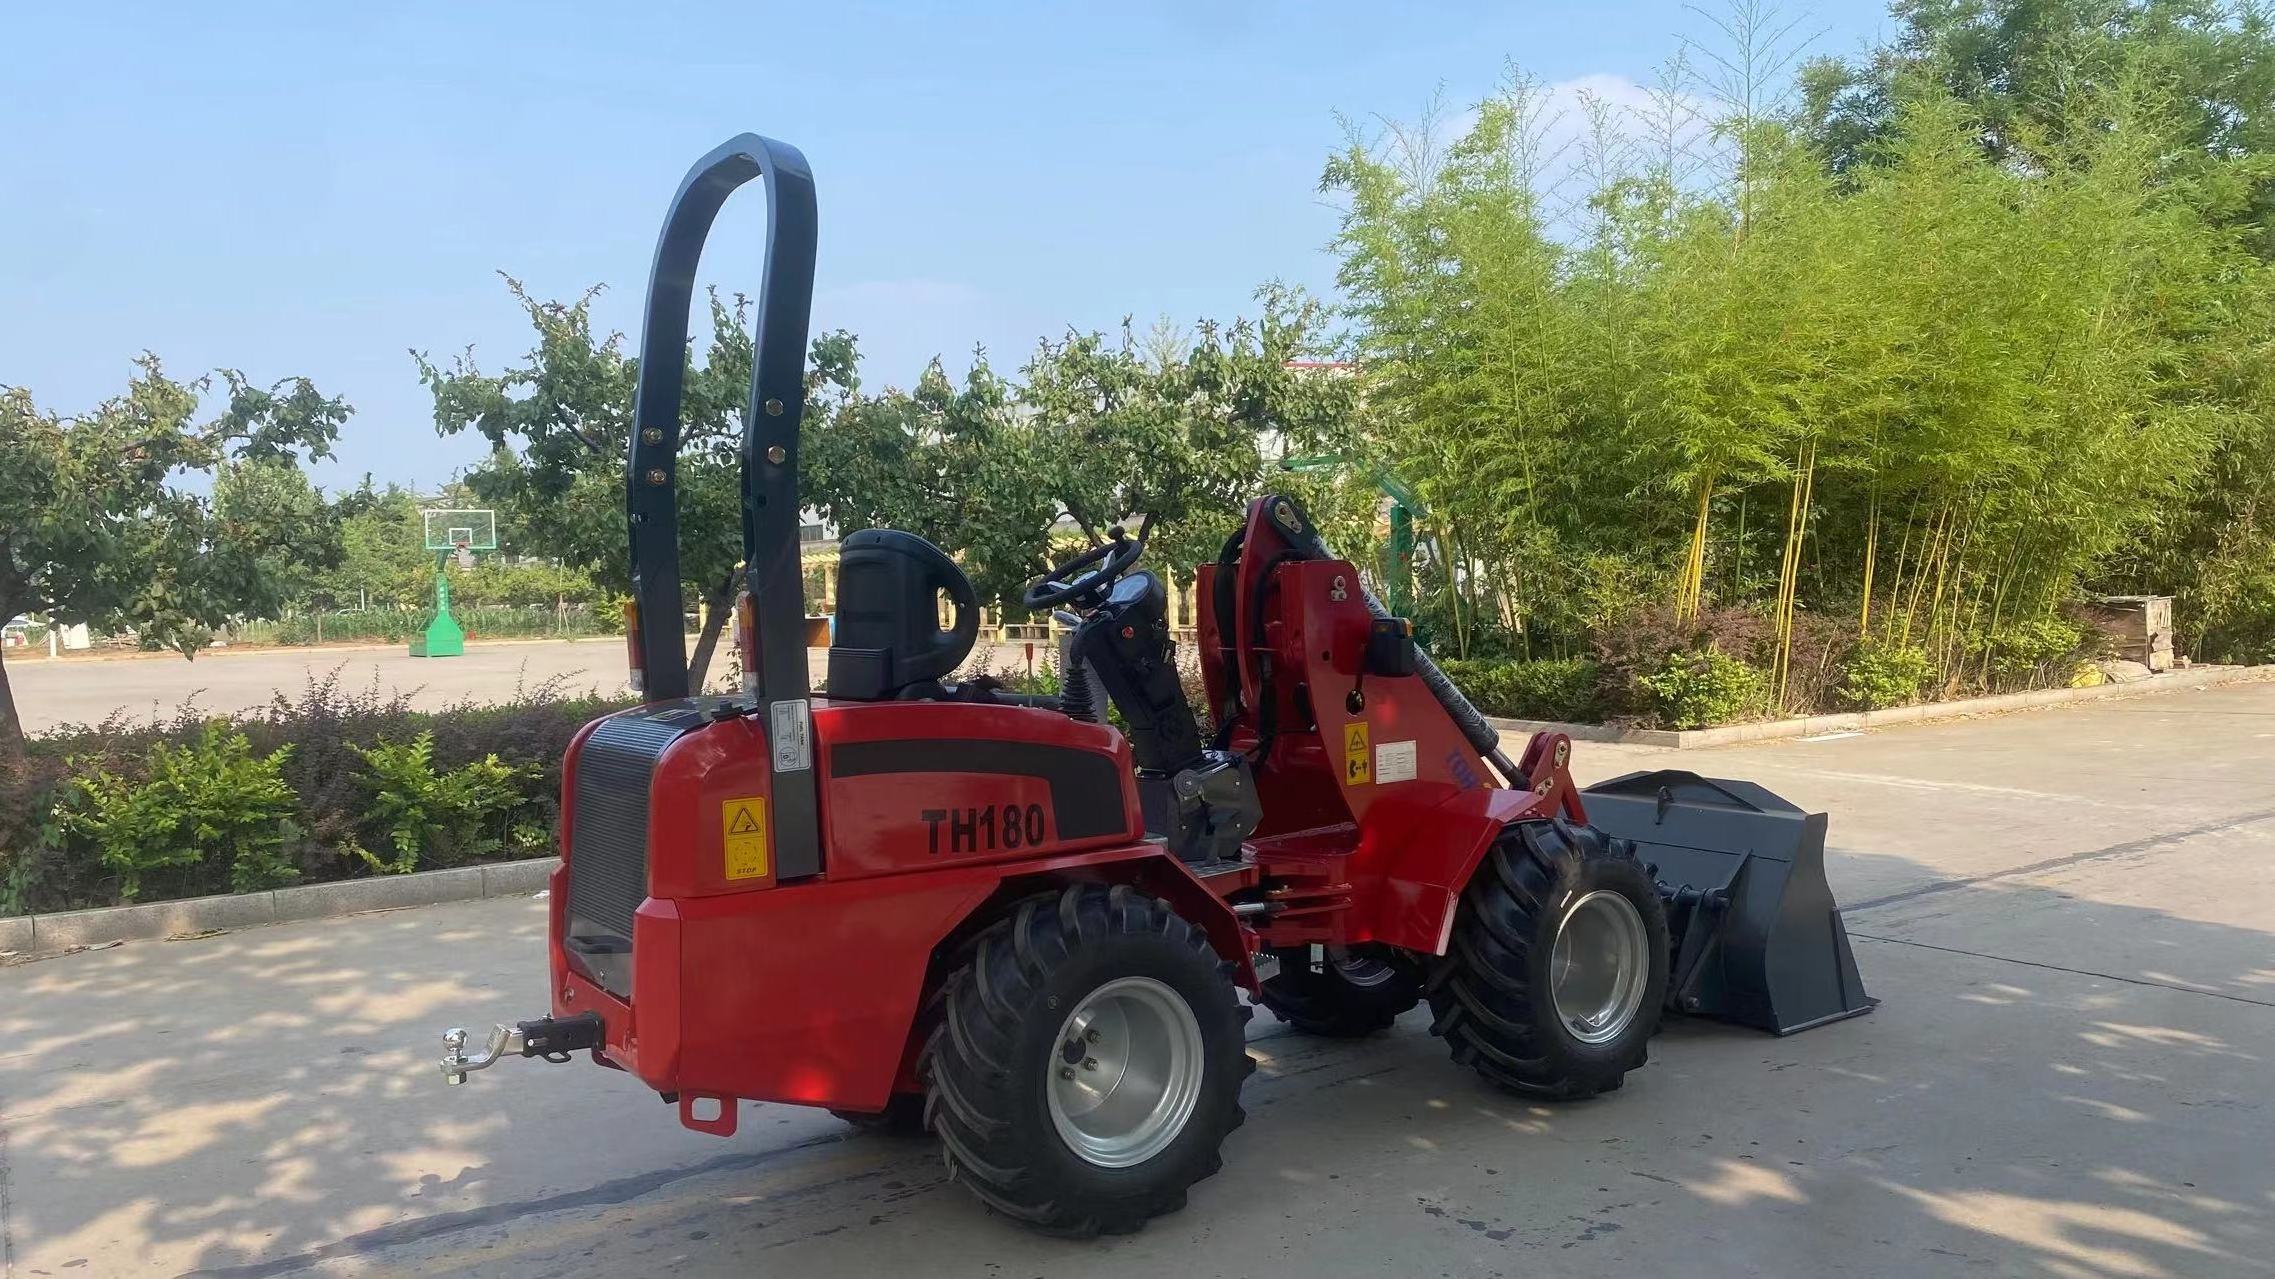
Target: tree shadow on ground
x=264, y=1104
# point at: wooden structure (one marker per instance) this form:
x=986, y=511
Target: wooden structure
x=2140, y=625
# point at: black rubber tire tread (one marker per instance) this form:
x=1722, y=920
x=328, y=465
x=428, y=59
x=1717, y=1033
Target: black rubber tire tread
x=1324, y=1003
x=1482, y=991
x=986, y=1065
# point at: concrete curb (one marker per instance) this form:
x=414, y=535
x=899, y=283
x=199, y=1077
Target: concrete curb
x=1857, y=721
x=29, y=934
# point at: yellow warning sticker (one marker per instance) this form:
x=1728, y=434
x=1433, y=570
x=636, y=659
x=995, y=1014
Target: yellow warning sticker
x=743, y=822
x=1358, y=762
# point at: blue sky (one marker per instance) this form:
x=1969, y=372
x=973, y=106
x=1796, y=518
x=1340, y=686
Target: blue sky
x=316, y=189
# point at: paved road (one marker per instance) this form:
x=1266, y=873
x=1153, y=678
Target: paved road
x=85, y=690
x=2068, y=913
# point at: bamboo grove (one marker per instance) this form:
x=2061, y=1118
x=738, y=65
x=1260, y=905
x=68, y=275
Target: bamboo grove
x=1922, y=404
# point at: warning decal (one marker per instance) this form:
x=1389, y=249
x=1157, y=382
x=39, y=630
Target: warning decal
x=1358, y=764
x=743, y=823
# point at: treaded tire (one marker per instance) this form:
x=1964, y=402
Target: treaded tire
x=1328, y=1003
x=987, y=1066
x=1490, y=992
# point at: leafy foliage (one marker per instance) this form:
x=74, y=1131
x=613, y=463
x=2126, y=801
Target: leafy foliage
x=1567, y=689
x=1941, y=393
x=95, y=526
x=430, y=817
x=1179, y=434
x=2041, y=650
x=559, y=423
x=211, y=802
x=47, y=864
x=2043, y=80
x=1880, y=676
x=34, y=866
x=1697, y=689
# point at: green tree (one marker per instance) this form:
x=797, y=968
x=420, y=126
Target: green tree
x=559, y=421
x=953, y=463
x=1940, y=393
x=1176, y=434
x=96, y=527
x=383, y=559
x=2030, y=71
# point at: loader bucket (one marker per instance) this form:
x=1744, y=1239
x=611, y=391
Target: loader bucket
x=1757, y=937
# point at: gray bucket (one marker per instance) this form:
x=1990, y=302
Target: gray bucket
x=1757, y=937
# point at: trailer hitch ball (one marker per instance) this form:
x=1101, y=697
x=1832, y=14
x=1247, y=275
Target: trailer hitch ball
x=552, y=1038
x=456, y=1064
x=454, y=1055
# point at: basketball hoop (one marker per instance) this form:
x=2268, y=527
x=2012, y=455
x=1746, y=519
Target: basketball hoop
x=451, y=536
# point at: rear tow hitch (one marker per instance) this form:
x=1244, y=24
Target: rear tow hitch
x=552, y=1038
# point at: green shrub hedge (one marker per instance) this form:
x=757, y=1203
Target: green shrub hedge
x=1553, y=688
x=1705, y=687
x=1879, y=676
x=328, y=784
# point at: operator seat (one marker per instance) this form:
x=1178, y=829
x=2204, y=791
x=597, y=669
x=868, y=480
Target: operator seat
x=887, y=638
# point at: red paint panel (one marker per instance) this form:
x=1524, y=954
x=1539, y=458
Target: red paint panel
x=808, y=993
x=1415, y=878
x=696, y=781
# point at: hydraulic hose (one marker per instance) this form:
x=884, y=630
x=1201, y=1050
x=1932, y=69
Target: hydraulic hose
x=1482, y=737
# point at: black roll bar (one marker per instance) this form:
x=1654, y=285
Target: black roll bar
x=769, y=462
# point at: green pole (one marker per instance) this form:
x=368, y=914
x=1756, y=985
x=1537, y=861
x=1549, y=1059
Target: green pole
x=441, y=637
x=1405, y=504
x=1398, y=576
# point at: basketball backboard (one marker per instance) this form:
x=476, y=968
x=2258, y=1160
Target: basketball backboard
x=464, y=529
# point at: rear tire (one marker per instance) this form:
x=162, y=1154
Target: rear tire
x=1527, y=1015
x=1088, y=1063
x=1352, y=994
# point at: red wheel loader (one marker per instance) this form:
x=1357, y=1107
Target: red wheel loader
x=999, y=919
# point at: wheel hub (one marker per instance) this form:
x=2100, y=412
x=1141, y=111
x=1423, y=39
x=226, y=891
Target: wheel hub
x=1599, y=966
x=1128, y=1072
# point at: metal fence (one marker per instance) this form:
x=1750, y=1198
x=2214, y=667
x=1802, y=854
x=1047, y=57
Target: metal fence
x=393, y=625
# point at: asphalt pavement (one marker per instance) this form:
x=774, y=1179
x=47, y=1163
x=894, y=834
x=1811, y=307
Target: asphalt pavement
x=2067, y=913
x=142, y=686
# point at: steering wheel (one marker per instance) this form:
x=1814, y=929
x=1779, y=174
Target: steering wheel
x=1106, y=562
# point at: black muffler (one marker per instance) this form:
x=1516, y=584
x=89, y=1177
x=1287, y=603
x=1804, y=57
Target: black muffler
x=1757, y=937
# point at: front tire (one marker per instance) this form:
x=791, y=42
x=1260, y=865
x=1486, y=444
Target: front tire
x=1556, y=970
x=1352, y=994
x=1088, y=1062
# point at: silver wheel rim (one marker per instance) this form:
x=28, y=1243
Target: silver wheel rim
x=1599, y=966
x=1125, y=1072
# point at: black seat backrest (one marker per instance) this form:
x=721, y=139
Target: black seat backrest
x=887, y=634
